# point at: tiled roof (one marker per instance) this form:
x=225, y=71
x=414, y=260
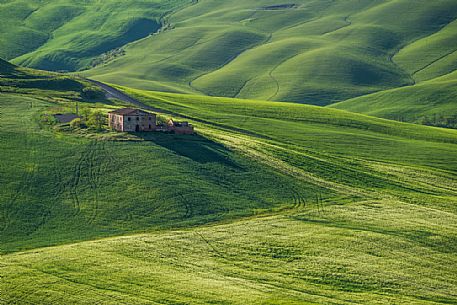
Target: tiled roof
x=127, y=111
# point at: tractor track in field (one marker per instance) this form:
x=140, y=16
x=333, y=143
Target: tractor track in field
x=24, y=184
x=206, y=241
x=100, y=291
x=87, y=169
x=93, y=176
x=188, y=207
x=275, y=80
x=74, y=183
x=189, y=211
x=299, y=201
x=242, y=87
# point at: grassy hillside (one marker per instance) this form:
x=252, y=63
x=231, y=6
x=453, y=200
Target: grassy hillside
x=343, y=255
x=342, y=208
x=316, y=52
x=431, y=62
x=432, y=56
x=68, y=35
x=44, y=85
x=429, y=102
x=64, y=188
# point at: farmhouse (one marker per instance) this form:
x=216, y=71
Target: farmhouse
x=137, y=120
x=180, y=127
x=132, y=120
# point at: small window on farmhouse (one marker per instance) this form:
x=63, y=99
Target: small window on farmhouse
x=137, y=118
x=129, y=119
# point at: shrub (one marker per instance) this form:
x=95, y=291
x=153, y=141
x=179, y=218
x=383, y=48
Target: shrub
x=76, y=123
x=48, y=119
x=96, y=120
x=85, y=112
x=92, y=93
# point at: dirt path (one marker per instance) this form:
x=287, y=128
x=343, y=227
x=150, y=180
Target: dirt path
x=112, y=92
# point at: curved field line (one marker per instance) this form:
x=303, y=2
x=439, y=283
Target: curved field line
x=433, y=62
x=391, y=58
x=250, y=148
x=270, y=73
x=242, y=87
x=232, y=58
x=218, y=253
x=189, y=212
x=348, y=23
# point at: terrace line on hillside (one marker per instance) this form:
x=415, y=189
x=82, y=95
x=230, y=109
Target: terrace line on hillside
x=137, y=120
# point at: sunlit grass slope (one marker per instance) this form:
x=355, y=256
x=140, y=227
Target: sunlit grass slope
x=60, y=188
x=432, y=102
x=316, y=52
x=431, y=62
x=67, y=35
x=365, y=253
x=354, y=209
x=432, y=56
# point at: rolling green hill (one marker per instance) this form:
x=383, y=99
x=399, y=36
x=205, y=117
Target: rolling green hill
x=68, y=35
x=316, y=52
x=272, y=201
x=45, y=85
x=431, y=61
x=329, y=197
x=430, y=102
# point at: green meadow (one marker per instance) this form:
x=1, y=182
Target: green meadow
x=430, y=102
x=315, y=52
x=318, y=52
x=323, y=169
x=68, y=35
x=270, y=203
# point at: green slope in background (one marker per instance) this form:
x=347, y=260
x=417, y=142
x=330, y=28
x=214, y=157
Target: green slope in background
x=430, y=102
x=316, y=52
x=319, y=52
x=67, y=35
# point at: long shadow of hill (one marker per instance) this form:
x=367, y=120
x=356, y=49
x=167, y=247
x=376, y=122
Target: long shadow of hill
x=195, y=147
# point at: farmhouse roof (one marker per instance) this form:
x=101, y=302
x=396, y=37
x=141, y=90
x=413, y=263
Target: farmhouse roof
x=127, y=111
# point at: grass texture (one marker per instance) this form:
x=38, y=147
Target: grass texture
x=271, y=203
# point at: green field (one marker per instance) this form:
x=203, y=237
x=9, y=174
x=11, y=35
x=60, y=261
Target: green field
x=68, y=35
x=316, y=52
x=431, y=61
x=311, y=178
x=269, y=203
x=430, y=102
x=319, y=52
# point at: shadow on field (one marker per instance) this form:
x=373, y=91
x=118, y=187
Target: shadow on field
x=195, y=147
